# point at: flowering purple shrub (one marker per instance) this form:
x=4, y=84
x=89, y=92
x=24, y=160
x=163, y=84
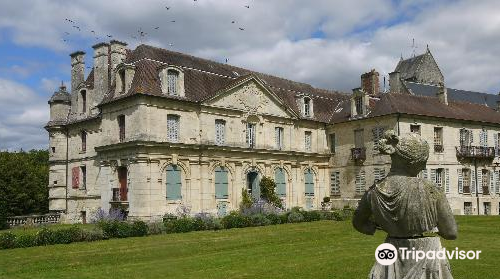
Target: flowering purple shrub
x=114, y=214
x=261, y=206
x=183, y=211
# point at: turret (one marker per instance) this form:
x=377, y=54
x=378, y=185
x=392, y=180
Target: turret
x=60, y=104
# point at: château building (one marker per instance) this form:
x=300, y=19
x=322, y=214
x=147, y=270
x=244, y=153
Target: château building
x=149, y=129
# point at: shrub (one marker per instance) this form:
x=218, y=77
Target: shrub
x=7, y=240
x=235, y=220
x=327, y=215
x=246, y=200
x=261, y=206
x=45, y=236
x=207, y=221
x=259, y=220
x=123, y=229
x=139, y=228
x=93, y=235
x=274, y=219
x=312, y=215
x=25, y=240
x=268, y=191
x=114, y=214
x=3, y=223
x=181, y=225
x=109, y=228
x=295, y=217
x=67, y=235
x=156, y=228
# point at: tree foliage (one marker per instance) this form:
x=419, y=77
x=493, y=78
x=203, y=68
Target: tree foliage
x=268, y=191
x=24, y=177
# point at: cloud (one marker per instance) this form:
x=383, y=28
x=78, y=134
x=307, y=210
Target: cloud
x=23, y=114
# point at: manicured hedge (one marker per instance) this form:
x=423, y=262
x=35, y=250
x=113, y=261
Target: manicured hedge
x=111, y=228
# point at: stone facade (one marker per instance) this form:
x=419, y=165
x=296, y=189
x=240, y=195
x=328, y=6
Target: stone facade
x=126, y=137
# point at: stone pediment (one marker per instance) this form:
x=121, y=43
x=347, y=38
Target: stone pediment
x=252, y=97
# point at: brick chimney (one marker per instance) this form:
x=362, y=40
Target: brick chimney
x=370, y=83
x=101, y=72
x=442, y=94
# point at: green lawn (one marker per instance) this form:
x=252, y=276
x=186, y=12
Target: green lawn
x=323, y=249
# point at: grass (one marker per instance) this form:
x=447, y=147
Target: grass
x=323, y=249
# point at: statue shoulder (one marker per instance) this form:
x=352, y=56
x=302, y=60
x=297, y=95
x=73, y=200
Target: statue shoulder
x=433, y=189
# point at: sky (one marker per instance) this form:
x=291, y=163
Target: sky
x=326, y=43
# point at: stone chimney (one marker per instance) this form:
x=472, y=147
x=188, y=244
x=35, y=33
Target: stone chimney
x=396, y=86
x=77, y=75
x=118, y=54
x=101, y=72
x=370, y=83
x=442, y=94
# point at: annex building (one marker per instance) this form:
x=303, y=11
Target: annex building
x=149, y=129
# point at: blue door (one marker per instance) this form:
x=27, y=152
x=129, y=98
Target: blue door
x=221, y=183
x=174, y=183
x=253, y=184
x=279, y=179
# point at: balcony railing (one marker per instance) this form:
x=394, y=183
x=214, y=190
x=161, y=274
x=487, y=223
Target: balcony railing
x=475, y=152
x=33, y=220
x=358, y=153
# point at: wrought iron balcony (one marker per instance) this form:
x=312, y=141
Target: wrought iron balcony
x=358, y=153
x=480, y=152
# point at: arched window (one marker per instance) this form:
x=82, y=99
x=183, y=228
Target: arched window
x=279, y=179
x=83, y=136
x=83, y=96
x=174, y=183
x=309, y=182
x=221, y=183
x=173, y=80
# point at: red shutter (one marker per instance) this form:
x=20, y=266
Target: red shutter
x=75, y=177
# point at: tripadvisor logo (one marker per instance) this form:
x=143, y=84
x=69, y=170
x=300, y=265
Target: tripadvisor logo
x=387, y=254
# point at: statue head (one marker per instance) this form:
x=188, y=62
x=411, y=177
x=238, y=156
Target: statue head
x=409, y=152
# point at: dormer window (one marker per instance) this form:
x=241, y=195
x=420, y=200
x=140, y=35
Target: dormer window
x=358, y=101
x=307, y=107
x=83, y=96
x=124, y=75
x=172, y=81
x=121, y=76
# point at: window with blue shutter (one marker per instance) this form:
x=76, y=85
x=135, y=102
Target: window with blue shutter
x=220, y=131
x=173, y=126
x=280, y=180
x=309, y=182
x=174, y=183
x=221, y=183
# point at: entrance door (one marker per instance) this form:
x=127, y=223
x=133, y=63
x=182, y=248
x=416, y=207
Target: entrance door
x=122, y=179
x=253, y=184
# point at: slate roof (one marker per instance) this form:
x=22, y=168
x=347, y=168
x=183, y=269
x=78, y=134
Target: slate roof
x=392, y=103
x=61, y=96
x=408, y=68
x=454, y=94
x=203, y=78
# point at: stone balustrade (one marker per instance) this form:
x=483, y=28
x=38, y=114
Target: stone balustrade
x=33, y=220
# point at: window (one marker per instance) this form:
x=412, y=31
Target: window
x=172, y=79
x=83, y=95
x=465, y=137
x=121, y=74
x=53, y=148
x=438, y=177
x=358, y=102
x=467, y=208
x=55, y=182
x=221, y=183
x=308, y=141
x=278, y=137
x=332, y=143
x=483, y=138
x=378, y=174
x=358, y=138
x=438, y=139
x=414, y=128
x=485, y=182
x=464, y=181
x=75, y=177
x=173, y=127
x=307, y=107
x=250, y=135
x=335, y=183
x=360, y=182
x=279, y=179
x=487, y=208
x=174, y=183
x=83, y=184
x=121, y=127
x=83, y=136
x=309, y=182
x=220, y=131
x=378, y=134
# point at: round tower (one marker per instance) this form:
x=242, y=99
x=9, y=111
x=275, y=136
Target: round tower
x=60, y=104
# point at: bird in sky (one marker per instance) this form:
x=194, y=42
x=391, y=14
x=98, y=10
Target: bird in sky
x=242, y=29
x=172, y=21
x=157, y=27
x=233, y=21
x=74, y=26
x=168, y=8
x=109, y=36
x=248, y=7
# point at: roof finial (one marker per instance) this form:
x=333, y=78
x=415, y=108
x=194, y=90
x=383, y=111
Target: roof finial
x=401, y=56
x=428, y=50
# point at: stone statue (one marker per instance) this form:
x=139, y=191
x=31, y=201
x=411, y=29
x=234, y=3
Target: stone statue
x=407, y=207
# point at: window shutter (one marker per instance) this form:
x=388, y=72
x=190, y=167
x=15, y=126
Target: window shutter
x=497, y=182
x=473, y=181
x=462, y=137
x=279, y=179
x=495, y=139
x=221, y=183
x=335, y=183
x=75, y=177
x=309, y=183
x=460, y=181
x=425, y=174
x=492, y=183
x=480, y=182
x=447, y=181
x=433, y=176
x=471, y=137
x=174, y=183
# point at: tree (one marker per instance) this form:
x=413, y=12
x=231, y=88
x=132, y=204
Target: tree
x=24, y=177
x=268, y=191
